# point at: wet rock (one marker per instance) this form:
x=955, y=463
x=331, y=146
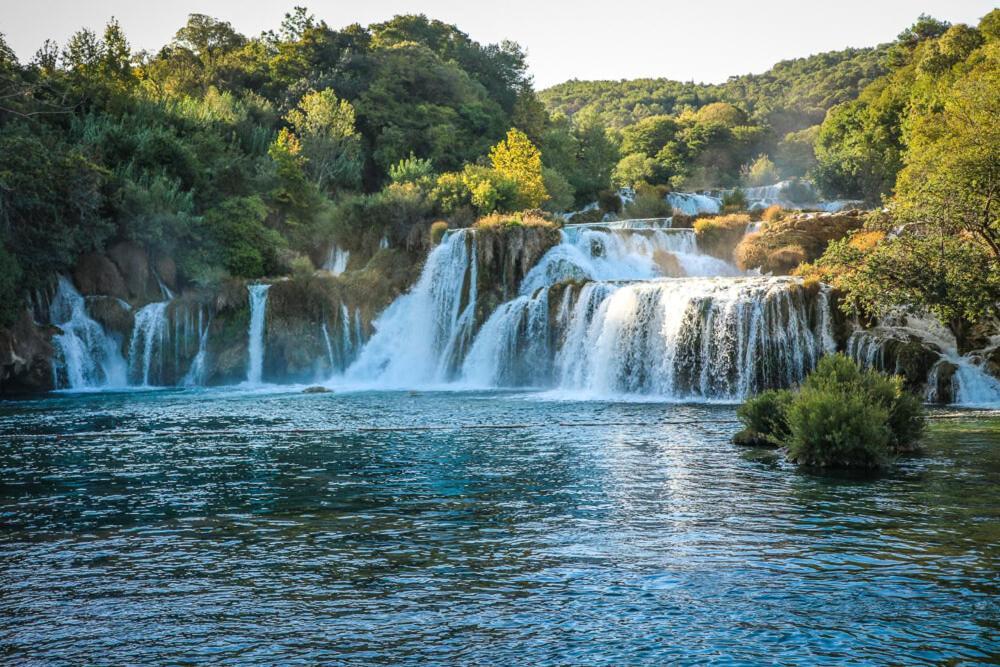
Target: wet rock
x=942, y=386
x=317, y=390
x=114, y=314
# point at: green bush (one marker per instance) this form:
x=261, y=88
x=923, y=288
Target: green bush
x=764, y=418
x=841, y=416
x=829, y=428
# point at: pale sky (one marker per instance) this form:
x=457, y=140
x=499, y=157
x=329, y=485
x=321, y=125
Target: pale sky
x=700, y=40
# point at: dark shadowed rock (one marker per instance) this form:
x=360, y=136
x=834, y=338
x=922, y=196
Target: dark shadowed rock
x=95, y=274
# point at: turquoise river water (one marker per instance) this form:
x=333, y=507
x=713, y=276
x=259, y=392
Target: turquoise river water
x=229, y=527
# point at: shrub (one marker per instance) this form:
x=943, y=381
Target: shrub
x=522, y=219
x=650, y=202
x=760, y=172
x=734, y=201
x=830, y=428
x=719, y=235
x=781, y=245
x=841, y=416
x=763, y=417
x=609, y=201
x=785, y=259
x=772, y=213
x=437, y=231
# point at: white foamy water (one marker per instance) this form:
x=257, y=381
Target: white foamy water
x=87, y=357
x=255, y=333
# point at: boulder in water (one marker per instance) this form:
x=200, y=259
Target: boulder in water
x=317, y=389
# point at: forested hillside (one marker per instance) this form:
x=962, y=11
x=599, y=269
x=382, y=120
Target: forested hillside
x=803, y=87
x=238, y=156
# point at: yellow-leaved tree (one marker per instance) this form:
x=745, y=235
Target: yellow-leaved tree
x=519, y=160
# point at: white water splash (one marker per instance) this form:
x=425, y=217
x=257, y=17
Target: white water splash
x=420, y=338
x=87, y=357
x=148, y=334
x=336, y=261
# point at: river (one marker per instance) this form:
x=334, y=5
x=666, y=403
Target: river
x=268, y=526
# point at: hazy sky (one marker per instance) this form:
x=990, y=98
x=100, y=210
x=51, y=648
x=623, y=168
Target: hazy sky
x=701, y=40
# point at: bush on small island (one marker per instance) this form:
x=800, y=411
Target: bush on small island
x=840, y=417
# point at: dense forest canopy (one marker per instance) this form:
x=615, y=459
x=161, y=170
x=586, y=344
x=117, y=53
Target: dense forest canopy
x=243, y=156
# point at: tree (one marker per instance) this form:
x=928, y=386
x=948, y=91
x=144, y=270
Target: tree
x=760, y=172
x=324, y=125
x=519, y=160
x=633, y=170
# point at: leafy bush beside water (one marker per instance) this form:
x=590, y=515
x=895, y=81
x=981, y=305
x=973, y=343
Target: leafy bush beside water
x=841, y=417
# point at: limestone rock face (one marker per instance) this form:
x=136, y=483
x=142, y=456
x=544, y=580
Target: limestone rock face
x=25, y=357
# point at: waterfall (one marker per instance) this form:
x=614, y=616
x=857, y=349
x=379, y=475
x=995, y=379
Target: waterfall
x=148, y=336
x=629, y=328
x=595, y=253
x=86, y=356
x=423, y=335
x=676, y=338
x=690, y=203
x=336, y=261
x=329, y=345
x=195, y=377
x=973, y=386
x=255, y=333
x=969, y=384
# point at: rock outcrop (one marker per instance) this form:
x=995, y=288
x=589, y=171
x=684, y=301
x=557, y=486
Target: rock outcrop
x=781, y=245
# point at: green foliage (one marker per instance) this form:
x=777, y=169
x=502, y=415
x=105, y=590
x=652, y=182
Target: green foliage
x=759, y=172
x=734, y=200
x=248, y=249
x=841, y=416
x=412, y=170
x=634, y=170
x=764, y=418
x=929, y=128
x=517, y=159
x=330, y=144
x=650, y=202
x=10, y=279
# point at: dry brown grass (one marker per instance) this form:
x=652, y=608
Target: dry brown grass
x=719, y=235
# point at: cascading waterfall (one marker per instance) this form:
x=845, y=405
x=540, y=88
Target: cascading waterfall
x=596, y=253
x=86, y=356
x=675, y=338
x=966, y=382
x=691, y=203
x=195, y=377
x=423, y=335
x=605, y=312
x=255, y=333
x=147, y=344
x=336, y=261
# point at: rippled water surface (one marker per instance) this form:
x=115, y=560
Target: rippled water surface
x=458, y=528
